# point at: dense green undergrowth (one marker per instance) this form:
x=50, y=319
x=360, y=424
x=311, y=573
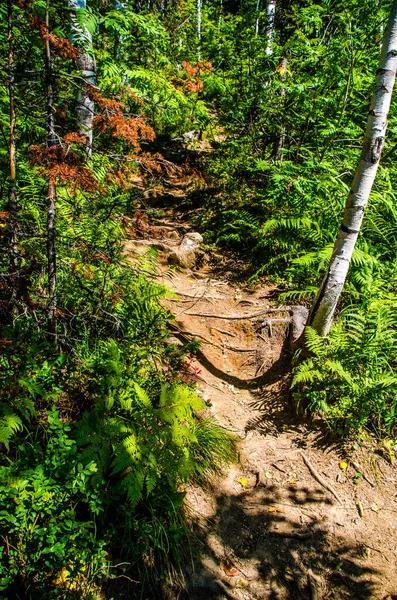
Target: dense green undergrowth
x=100, y=443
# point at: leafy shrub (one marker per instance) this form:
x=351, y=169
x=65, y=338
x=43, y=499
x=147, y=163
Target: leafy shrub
x=47, y=519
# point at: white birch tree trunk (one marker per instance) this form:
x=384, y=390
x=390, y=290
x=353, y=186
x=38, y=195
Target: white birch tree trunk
x=51, y=206
x=12, y=199
x=270, y=25
x=258, y=3
x=199, y=7
x=325, y=304
x=280, y=141
x=85, y=63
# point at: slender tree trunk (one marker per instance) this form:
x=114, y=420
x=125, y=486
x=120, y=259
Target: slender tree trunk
x=258, y=3
x=12, y=199
x=220, y=14
x=270, y=25
x=280, y=141
x=121, y=6
x=325, y=304
x=51, y=208
x=85, y=63
x=199, y=7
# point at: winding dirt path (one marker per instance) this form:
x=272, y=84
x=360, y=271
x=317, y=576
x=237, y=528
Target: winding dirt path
x=268, y=528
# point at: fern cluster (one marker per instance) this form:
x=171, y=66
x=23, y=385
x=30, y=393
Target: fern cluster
x=350, y=377
x=143, y=445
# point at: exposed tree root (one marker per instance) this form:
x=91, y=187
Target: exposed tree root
x=320, y=479
x=242, y=317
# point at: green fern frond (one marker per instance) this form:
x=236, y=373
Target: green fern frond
x=143, y=397
x=10, y=423
x=315, y=343
x=306, y=373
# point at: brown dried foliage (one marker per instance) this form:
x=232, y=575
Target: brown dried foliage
x=63, y=165
x=131, y=129
x=61, y=45
x=73, y=137
x=194, y=84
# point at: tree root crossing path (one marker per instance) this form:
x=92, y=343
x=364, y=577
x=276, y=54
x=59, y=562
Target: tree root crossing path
x=301, y=515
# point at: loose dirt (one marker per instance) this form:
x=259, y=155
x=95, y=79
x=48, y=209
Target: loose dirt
x=268, y=527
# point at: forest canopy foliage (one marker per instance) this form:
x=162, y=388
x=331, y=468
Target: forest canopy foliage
x=98, y=432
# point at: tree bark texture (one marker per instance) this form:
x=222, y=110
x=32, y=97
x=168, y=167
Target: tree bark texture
x=85, y=63
x=325, y=304
x=280, y=140
x=12, y=199
x=199, y=9
x=51, y=207
x=270, y=25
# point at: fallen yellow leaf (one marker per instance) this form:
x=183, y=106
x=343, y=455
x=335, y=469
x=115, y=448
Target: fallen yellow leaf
x=62, y=577
x=243, y=482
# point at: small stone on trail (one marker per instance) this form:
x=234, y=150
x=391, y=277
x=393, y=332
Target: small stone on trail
x=185, y=255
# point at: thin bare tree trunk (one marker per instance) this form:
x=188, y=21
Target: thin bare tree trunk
x=51, y=207
x=258, y=3
x=280, y=141
x=325, y=304
x=199, y=8
x=270, y=25
x=85, y=63
x=12, y=199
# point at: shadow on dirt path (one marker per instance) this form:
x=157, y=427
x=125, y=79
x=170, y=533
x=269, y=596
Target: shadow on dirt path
x=287, y=558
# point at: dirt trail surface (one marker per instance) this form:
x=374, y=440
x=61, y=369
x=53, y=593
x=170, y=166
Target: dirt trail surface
x=286, y=521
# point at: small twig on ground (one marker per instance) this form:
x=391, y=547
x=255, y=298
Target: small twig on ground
x=241, y=317
x=359, y=470
x=275, y=465
x=195, y=302
x=237, y=349
x=242, y=301
x=380, y=552
x=226, y=590
x=320, y=479
x=179, y=300
x=312, y=580
x=259, y=369
x=224, y=331
x=295, y=534
x=270, y=322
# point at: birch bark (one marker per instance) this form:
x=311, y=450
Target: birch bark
x=12, y=199
x=258, y=3
x=325, y=304
x=85, y=63
x=270, y=25
x=51, y=206
x=199, y=8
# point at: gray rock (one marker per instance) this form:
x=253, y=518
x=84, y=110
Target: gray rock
x=185, y=255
